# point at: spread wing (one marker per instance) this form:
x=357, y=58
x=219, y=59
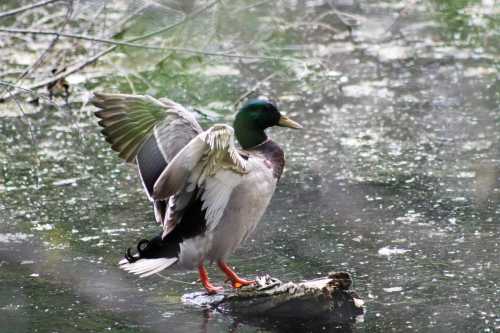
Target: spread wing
x=209, y=166
x=130, y=120
x=146, y=131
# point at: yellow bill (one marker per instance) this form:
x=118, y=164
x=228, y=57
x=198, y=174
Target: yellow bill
x=287, y=122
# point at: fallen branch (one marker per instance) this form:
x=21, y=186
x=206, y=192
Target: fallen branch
x=314, y=303
x=143, y=46
x=25, y=8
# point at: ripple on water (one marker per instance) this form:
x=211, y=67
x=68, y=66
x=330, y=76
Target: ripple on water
x=17, y=237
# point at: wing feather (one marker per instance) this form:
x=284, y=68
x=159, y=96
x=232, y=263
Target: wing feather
x=145, y=130
x=129, y=120
x=149, y=132
x=209, y=164
x=176, y=159
x=202, y=157
x=175, y=176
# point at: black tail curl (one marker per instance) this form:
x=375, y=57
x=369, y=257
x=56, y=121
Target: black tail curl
x=141, y=246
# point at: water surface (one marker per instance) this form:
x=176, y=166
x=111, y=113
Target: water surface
x=395, y=178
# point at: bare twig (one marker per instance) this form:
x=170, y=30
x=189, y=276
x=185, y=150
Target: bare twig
x=253, y=89
x=11, y=85
x=80, y=65
x=25, y=8
x=130, y=43
x=73, y=69
x=94, y=19
x=47, y=19
x=11, y=72
x=127, y=78
x=163, y=5
x=142, y=79
x=170, y=27
x=83, y=37
x=252, y=6
x=145, y=46
x=120, y=25
x=46, y=52
x=29, y=91
x=34, y=143
x=403, y=12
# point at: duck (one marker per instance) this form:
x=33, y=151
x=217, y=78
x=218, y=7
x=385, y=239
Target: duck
x=207, y=193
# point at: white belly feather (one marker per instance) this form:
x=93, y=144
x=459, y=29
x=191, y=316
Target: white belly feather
x=243, y=200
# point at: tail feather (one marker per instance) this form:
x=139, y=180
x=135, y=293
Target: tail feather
x=146, y=266
x=152, y=257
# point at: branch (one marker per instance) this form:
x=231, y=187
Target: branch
x=115, y=42
x=78, y=66
x=40, y=60
x=170, y=27
x=34, y=142
x=318, y=304
x=144, y=46
x=73, y=69
x=28, y=91
x=130, y=43
x=25, y=8
x=403, y=12
x=252, y=6
x=253, y=89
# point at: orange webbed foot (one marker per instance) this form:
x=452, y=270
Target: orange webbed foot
x=212, y=290
x=231, y=276
x=239, y=282
x=209, y=287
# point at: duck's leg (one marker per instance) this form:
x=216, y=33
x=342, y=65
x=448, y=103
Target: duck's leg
x=211, y=289
x=236, y=281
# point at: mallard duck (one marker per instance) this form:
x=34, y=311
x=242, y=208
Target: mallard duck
x=207, y=194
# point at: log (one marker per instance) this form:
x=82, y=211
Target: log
x=314, y=305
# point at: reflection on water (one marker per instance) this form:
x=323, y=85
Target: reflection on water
x=396, y=178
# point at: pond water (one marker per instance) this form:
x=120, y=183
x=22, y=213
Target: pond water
x=395, y=177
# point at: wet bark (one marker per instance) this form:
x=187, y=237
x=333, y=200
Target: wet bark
x=315, y=304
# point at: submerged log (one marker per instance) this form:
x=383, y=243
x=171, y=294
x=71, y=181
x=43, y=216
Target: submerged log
x=318, y=303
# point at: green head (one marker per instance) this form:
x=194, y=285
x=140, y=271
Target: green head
x=254, y=117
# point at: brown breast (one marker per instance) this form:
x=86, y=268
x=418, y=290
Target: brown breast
x=274, y=156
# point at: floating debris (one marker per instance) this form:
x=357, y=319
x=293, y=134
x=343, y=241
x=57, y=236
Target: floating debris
x=390, y=251
x=89, y=238
x=68, y=181
x=17, y=237
x=43, y=227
